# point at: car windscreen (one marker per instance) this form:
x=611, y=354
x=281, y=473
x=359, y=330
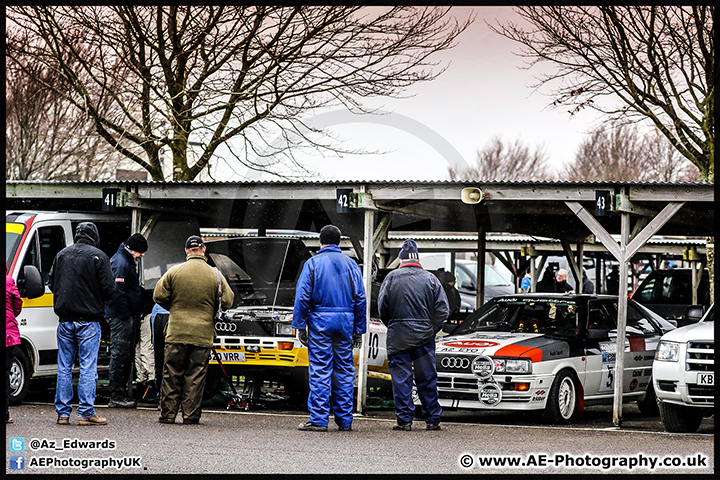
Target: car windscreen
x=260, y=271
x=710, y=314
x=527, y=315
x=13, y=234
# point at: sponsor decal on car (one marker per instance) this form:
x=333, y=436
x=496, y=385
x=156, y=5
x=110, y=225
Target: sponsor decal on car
x=489, y=394
x=471, y=344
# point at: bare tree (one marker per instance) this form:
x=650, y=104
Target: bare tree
x=622, y=153
x=664, y=163
x=631, y=62
x=500, y=161
x=47, y=137
x=208, y=74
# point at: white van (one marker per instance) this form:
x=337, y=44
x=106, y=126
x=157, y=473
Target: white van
x=32, y=239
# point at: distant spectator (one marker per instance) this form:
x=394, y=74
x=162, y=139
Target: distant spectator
x=561, y=284
x=587, y=285
x=525, y=283
x=452, y=293
x=547, y=283
x=612, y=281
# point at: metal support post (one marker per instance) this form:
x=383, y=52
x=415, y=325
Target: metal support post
x=480, y=280
x=621, y=321
x=368, y=254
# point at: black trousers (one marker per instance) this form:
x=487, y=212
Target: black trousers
x=158, y=340
x=122, y=354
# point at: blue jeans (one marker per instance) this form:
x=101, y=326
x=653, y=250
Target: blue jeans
x=420, y=364
x=82, y=338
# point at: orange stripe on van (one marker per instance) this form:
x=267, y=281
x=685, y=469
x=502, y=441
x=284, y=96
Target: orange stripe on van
x=534, y=354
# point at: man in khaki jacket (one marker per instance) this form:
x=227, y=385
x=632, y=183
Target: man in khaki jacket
x=189, y=292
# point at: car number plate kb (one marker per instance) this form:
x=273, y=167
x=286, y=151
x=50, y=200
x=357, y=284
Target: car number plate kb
x=706, y=379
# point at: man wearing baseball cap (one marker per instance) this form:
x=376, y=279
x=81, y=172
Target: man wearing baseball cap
x=122, y=312
x=189, y=291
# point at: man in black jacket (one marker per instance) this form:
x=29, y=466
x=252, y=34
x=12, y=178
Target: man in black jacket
x=82, y=281
x=413, y=305
x=122, y=312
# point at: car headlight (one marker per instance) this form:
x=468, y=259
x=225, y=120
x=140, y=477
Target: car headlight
x=667, y=351
x=513, y=365
x=284, y=330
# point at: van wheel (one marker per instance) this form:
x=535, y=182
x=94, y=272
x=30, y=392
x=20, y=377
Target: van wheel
x=649, y=406
x=679, y=418
x=19, y=376
x=562, y=401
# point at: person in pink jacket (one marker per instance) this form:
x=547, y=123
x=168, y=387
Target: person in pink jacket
x=13, y=306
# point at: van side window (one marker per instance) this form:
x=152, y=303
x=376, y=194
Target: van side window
x=52, y=240
x=45, y=244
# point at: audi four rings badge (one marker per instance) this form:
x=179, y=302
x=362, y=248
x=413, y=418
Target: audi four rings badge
x=483, y=367
x=455, y=362
x=489, y=394
x=225, y=327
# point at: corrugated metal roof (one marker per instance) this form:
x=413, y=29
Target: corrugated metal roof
x=356, y=181
x=489, y=237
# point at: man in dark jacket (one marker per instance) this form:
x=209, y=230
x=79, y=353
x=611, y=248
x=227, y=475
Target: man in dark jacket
x=587, y=285
x=451, y=292
x=122, y=312
x=82, y=281
x=330, y=302
x=561, y=284
x=413, y=305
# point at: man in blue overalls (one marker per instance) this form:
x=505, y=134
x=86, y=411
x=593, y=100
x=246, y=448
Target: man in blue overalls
x=330, y=302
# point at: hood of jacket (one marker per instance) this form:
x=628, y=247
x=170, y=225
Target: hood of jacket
x=87, y=232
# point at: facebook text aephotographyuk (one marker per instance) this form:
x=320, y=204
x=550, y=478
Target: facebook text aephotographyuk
x=567, y=460
x=85, y=463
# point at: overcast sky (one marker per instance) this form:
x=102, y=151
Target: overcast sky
x=483, y=93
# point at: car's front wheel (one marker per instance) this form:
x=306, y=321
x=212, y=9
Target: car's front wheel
x=562, y=401
x=679, y=418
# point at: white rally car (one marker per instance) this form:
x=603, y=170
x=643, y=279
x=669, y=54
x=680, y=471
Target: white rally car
x=549, y=352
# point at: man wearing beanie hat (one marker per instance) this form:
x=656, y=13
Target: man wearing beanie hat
x=413, y=305
x=122, y=311
x=330, y=302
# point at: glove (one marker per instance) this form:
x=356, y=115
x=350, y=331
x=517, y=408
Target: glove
x=303, y=336
x=357, y=340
